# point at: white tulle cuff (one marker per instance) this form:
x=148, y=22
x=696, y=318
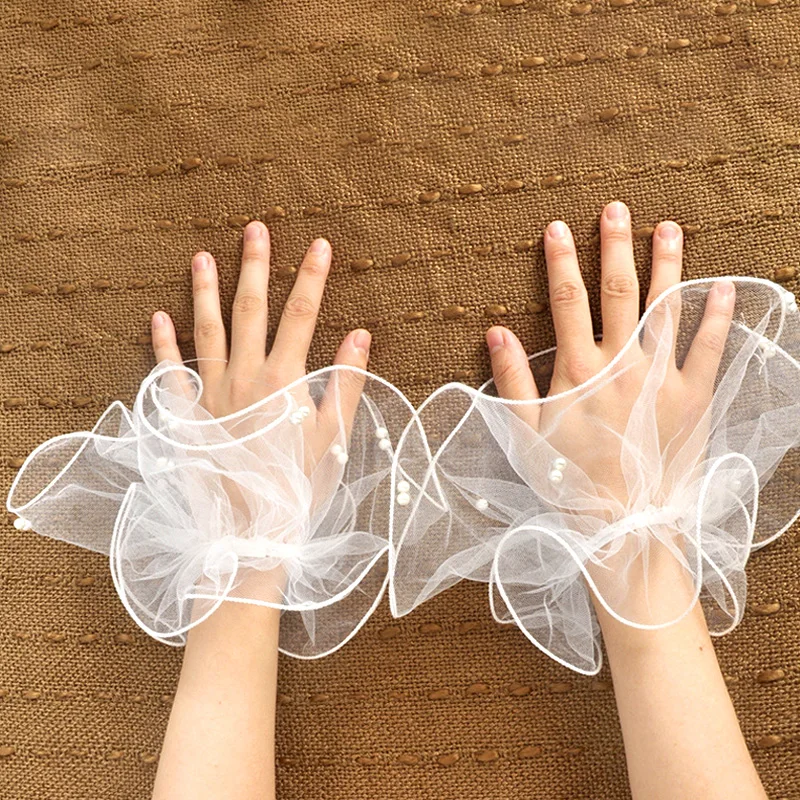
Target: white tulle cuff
x=283, y=504
x=610, y=486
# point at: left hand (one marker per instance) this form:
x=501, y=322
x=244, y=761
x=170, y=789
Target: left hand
x=244, y=372
x=237, y=375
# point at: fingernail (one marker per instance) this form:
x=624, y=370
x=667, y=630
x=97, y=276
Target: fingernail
x=725, y=288
x=616, y=210
x=669, y=231
x=200, y=262
x=159, y=319
x=253, y=230
x=558, y=229
x=362, y=340
x=495, y=339
x=319, y=247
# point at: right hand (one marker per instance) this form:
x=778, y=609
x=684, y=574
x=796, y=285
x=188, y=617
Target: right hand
x=589, y=432
x=686, y=392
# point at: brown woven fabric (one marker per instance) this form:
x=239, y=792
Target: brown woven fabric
x=431, y=141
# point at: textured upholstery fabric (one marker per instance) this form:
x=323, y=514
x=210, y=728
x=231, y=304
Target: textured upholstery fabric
x=431, y=141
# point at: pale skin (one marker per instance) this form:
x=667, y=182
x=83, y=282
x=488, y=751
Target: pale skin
x=682, y=737
x=220, y=740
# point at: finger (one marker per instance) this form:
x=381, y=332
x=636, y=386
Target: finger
x=619, y=288
x=209, y=330
x=512, y=373
x=703, y=359
x=165, y=340
x=343, y=393
x=667, y=258
x=299, y=318
x=165, y=348
x=666, y=270
x=569, y=301
x=249, y=316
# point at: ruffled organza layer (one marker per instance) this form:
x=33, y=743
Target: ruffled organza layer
x=283, y=504
x=317, y=497
x=591, y=490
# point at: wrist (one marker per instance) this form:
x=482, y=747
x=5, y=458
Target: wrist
x=669, y=644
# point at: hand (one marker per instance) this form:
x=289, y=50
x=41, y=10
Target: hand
x=676, y=715
x=235, y=377
x=600, y=420
x=589, y=432
x=220, y=738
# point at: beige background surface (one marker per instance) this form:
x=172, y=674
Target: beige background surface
x=431, y=141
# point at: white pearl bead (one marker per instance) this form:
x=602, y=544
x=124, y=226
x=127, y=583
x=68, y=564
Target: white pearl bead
x=560, y=463
x=403, y=486
x=381, y=433
x=295, y=419
x=336, y=449
x=769, y=349
x=482, y=504
x=385, y=444
x=22, y=524
x=342, y=458
x=556, y=476
x=403, y=499
x=162, y=462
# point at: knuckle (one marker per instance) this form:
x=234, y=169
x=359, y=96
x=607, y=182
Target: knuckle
x=314, y=265
x=207, y=329
x=299, y=306
x=576, y=369
x=696, y=403
x=567, y=293
x=253, y=261
x=619, y=284
x=201, y=285
x=617, y=234
x=508, y=372
x=247, y=302
x=211, y=405
x=240, y=392
x=669, y=256
x=560, y=252
x=711, y=341
x=349, y=381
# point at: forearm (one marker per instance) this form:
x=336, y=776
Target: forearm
x=682, y=737
x=220, y=740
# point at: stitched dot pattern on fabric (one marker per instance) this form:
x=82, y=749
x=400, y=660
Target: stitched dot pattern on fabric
x=430, y=141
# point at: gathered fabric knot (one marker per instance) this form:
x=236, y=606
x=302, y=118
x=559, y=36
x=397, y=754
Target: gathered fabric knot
x=646, y=519
x=254, y=547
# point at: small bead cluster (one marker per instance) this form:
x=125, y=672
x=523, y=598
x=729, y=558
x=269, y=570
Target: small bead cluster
x=403, y=492
x=162, y=462
x=383, y=438
x=790, y=301
x=339, y=452
x=768, y=348
x=22, y=524
x=557, y=467
x=298, y=416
